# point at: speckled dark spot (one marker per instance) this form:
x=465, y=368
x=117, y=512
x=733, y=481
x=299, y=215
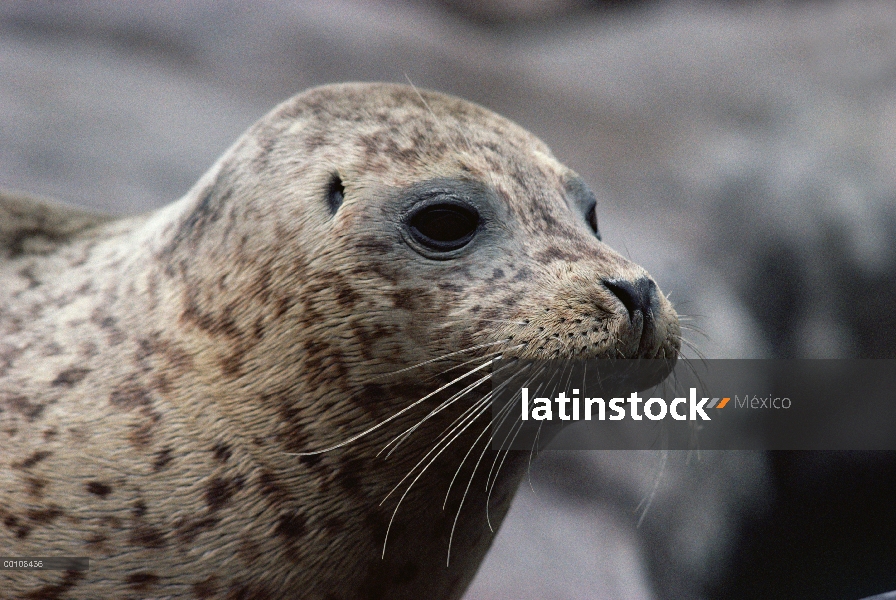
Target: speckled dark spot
x=162, y=459
x=291, y=525
x=96, y=539
x=283, y=304
x=214, y=324
x=129, y=396
x=141, y=434
x=207, y=588
x=141, y=581
x=70, y=377
x=23, y=406
x=19, y=529
x=310, y=460
x=218, y=492
x=239, y=590
x=147, y=536
x=524, y=274
x=32, y=460
x=207, y=211
x=19, y=244
x=348, y=476
x=51, y=349
x=44, y=516
x=346, y=296
x=268, y=485
x=110, y=521
x=221, y=452
x=292, y=432
x=186, y=529
x=403, y=299
x=334, y=524
x=260, y=160
x=232, y=364
x=98, y=488
x=555, y=254
x=27, y=273
x=56, y=591
x=34, y=486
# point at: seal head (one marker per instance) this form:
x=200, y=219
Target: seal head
x=340, y=279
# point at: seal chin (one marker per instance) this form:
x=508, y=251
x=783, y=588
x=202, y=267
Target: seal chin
x=621, y=377
x=653, y=371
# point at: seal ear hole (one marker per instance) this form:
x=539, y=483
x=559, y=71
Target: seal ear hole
x=335, y=193
x=591, y=217
x=444, y=227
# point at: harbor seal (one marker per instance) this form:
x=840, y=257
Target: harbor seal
x=339, y=280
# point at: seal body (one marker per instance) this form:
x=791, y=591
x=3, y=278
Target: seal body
x=338, y=281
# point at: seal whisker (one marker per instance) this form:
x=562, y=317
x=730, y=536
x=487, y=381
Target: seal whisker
x=508, y=440
x=389, y=419
x=688, y=362
x=695, y=329
x=446, y=433
x=490, y=357
x=693, y=347
x=466, y=491
x=517, y=427
x=532, y=453
x=506, y=410
x=691, y=316
x=470, y=411
x=648, y=500
x=528, y=382
x=448, y=402
x=433, y=114
x=469, y=416
x=520, y=323
x=397, y=440
x=483, y=406
x=443, y=357
x=535, y=442
x=461, y=464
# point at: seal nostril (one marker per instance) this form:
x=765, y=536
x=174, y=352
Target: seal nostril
x=637, y=295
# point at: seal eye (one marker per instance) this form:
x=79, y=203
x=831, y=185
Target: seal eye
x=444, y=227
x=335, y=194
x=582, y=201
x=591, y=217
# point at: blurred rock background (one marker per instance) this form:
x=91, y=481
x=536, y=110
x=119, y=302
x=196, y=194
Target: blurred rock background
x=743, y=152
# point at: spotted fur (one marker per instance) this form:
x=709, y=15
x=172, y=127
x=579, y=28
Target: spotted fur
x=163, y=377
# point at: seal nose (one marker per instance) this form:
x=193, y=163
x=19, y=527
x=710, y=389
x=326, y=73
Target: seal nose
x=637, y=295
